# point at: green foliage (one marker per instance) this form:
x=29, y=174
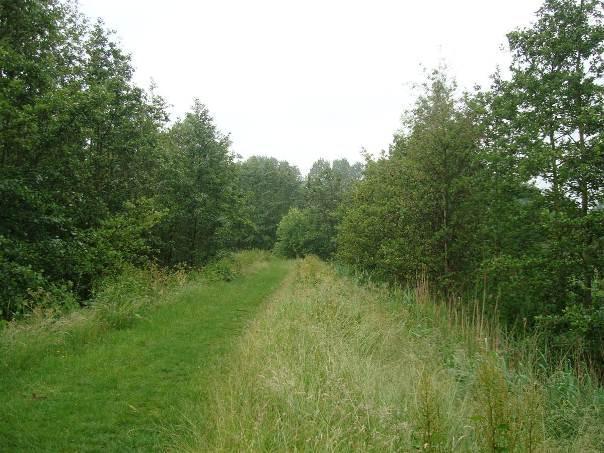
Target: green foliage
x=78, y=148
x=122, y=299
x=326, y=190
x=416, y=208
x=429, y=418
x=312, y=228
x=295, y=234
x=229, y=266
x=577, y=331
x=499, y=192
x=494, y=416
x=544, y=125
x=24, y=288
x=271, y=188
x=90, y=179
x=200, y=192
x=222, y=269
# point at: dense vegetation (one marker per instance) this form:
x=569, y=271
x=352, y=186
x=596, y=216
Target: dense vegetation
x=500, y=192
x=94, y=177
x=329, y=365
x=312, y=229
x=494, y=193
x=257, y=353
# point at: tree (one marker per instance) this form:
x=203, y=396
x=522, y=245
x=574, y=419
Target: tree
x=78, y=144
x=557, y=88
x=326, y=188
x=199, y=189
x=271, y=188
x=422, y=192
x=295, y=234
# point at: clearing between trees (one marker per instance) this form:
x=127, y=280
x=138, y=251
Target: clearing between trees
x=285, y=356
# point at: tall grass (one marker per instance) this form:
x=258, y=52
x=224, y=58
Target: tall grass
x=333, y=366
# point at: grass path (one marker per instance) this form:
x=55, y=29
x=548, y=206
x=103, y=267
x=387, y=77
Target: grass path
x=127, y=392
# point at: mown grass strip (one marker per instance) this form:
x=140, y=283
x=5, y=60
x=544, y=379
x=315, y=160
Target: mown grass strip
x=124, y=391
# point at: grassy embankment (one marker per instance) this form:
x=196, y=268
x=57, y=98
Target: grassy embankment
x=326, y=365
x=116, y=376
x=332, y=366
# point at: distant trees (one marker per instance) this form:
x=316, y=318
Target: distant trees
x=313, y=229
x=271, y=188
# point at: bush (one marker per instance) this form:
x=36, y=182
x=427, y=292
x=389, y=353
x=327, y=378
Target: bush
x=25, y=288
x=578, y=332
x=295, y=234
x=225, y=268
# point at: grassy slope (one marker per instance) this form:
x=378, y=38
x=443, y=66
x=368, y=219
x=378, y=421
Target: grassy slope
x=126, y=389
x=331, y=366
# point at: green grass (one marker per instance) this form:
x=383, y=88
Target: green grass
x=285, y=356
x=329, y=365
x=118, y=379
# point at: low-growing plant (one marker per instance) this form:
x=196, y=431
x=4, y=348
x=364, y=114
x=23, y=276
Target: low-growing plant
x=429, y=415
x=222, y=269
x=493, y=414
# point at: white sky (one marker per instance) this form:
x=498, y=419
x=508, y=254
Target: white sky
x=300, y=80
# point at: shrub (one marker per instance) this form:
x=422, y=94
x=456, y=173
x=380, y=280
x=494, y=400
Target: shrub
x=578, y=331
x=295, y=234
x=225, y=268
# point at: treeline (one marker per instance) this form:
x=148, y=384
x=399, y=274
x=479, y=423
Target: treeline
x=91, y=177
x=94, y=177
x=496, y=194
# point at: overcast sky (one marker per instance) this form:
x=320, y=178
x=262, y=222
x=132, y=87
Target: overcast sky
x=300, y=80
